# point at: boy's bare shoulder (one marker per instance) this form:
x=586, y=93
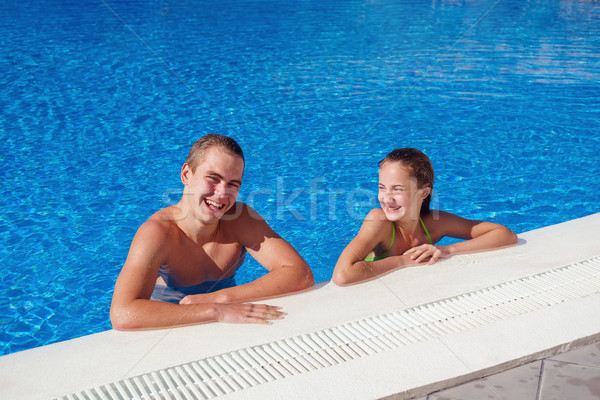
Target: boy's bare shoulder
x=241, y=213
x=161, y=223
x=244, y=225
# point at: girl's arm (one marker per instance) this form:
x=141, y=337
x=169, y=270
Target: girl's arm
x=351, y=267
x=480, y=235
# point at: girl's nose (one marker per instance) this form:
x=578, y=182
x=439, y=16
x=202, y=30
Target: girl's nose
x=387, y=195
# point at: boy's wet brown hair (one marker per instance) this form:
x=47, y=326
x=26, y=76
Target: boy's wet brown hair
x=226, y=143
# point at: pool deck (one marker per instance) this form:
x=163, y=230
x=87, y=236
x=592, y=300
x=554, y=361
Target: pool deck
x=415, y=333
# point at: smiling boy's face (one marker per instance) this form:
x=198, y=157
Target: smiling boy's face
x=215, y=184
x=399, y=195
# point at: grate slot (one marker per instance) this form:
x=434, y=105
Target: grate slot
x=418, y=325
x=158, y=382
x=172, y=386
x=145, y=390
x=271, y=364
x=233, y=367
x=121, y=390
x=352, y=339
x=500, y=297
x=327, y=348
x=212, y=389
x=89, y=394
x=311, y=365
x=289, y=364
x=196, y=382
x=264, y=365
x=233, y=376
x=455, y=320
x=372, y=329
x=400, y=328
x=484, y=315
x=317, y=352
x=209, y=375
x=364, y=337
x=266, y=375
x=336, y=335
x=252, y=376
x=343, y=355
x=390, y=332
x=386, y=335
x=405, y=327
x=111, y=393
x=435, y=320
x=179, y=383
x=221, y=376
x=307, y=351
x=297, y=360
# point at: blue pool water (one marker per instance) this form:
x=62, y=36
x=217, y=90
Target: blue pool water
x=101, y=101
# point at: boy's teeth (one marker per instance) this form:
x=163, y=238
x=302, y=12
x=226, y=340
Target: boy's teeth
x=212, y=203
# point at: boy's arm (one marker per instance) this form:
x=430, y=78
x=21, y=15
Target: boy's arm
x=288, y=272
x=132, y=309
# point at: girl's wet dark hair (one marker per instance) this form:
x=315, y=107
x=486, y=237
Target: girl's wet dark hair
x=226, y=143
x=419, y=166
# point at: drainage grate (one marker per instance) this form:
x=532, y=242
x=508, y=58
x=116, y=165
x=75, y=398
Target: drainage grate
x=230, y=372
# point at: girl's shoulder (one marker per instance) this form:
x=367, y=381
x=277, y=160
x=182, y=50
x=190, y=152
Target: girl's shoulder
x=376, y=216
x=441, y=223
x=439, y=216
x=376, y=229
x=438, y=219
x=376, y=224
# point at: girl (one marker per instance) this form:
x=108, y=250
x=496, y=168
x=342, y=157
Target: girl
x=403, y=232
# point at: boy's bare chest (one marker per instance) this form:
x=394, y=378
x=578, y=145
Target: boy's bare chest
x=190, y=264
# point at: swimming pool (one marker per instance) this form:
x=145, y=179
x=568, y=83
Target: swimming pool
x=102, y=100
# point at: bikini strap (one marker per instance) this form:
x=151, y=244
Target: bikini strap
x=392, y=242
x=426, y=231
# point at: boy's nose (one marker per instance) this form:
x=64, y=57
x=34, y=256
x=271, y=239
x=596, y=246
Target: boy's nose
x=219, y=188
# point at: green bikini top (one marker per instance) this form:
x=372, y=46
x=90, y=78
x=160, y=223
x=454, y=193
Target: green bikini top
x=381, y=257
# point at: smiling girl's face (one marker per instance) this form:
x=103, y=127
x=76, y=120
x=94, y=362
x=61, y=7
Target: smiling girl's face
x=399, y=194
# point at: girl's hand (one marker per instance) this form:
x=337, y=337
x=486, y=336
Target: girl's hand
x=427, y=252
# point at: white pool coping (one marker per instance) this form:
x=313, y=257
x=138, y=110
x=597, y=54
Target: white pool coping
x=402, y=371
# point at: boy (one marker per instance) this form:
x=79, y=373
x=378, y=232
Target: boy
x=187, y=249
